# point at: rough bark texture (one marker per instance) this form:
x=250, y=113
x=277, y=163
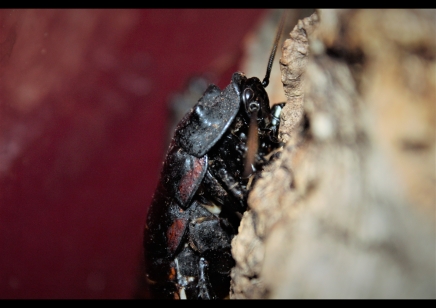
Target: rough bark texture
x=348, y=210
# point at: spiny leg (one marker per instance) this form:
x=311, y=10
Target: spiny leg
x=204, y=286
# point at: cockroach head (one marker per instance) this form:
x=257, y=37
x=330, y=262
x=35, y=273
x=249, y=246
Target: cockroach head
x=253, y=97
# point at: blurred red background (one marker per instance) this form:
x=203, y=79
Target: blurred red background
x=83, y=119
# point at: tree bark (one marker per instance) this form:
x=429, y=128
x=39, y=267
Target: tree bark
x=348, y=210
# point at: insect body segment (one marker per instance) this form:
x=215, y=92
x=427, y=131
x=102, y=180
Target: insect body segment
x=201, y=128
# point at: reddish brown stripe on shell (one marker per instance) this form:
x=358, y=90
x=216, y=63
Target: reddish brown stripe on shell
x=172, y=275
x=175, y=233
x=190, y=179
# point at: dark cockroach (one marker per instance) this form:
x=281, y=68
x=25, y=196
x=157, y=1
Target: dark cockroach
x=215, y=154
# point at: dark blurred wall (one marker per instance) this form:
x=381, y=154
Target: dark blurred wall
x=83, y=98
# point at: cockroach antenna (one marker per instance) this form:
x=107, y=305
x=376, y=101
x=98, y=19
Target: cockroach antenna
x=265, y=81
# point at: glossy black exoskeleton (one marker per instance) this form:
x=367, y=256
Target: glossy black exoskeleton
x=216, y=152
